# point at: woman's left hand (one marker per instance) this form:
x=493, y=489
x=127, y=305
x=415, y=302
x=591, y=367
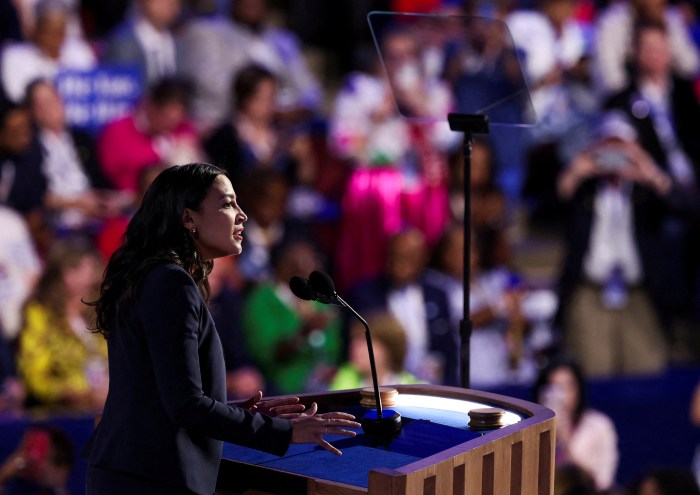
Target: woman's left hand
x=284, y=407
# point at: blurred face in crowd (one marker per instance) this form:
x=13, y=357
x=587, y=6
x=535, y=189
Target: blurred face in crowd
x=558, y=11
x=406, y=257
x=47, y=107
x=16, y=132
x=650, y=10
x=562, y=383
x=401, y=58
x=160, y=13
x=270, y=206
x=298, y=258
x=81, y=278
x=262, y=103
x=164, y=118
x=653, y=53
x=480, y=165
x=50, y=33
x=218, y=220
x=359, y=355
x=250, y=12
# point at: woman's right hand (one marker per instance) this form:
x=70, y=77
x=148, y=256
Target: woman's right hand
x=310, y=427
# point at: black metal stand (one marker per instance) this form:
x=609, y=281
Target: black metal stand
x=469, y=125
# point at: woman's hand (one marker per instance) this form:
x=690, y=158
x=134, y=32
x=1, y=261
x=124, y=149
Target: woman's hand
x=310, y=427
x=285, y=407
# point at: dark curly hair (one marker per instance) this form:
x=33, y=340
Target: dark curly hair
x=156, y=235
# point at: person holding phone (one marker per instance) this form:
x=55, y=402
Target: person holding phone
x=41, y=464
x=165, y=418
x=585, y=437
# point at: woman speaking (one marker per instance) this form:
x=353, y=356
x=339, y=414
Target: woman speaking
x=165, y=416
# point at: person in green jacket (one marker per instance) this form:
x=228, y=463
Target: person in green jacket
x=295, y=343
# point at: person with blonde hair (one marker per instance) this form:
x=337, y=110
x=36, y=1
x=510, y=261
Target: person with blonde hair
x=60, y=361
x=390, y=346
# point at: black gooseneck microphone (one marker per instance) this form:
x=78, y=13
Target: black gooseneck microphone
x=382, y=423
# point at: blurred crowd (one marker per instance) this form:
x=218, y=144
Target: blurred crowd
x=344, y=162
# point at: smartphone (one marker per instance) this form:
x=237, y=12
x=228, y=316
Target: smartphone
x=611, y=158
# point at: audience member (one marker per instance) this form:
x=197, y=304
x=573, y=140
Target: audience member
x=488, y=202
x=555, y=61
x=47, y=51
x=112, y=231
x=253, y=137
x=552, y=43
x=405, y=290
x=12, y=392
x=613, y=46
x=499, y=350
x=570, y=479
x=212, y=63
x=399, y=165
x=296, y=343
x=76, y=193
x=264, y=197
x=20, y=267
x=389, y=345
x=61, y=362
x=665, y=481
x=22, y=182
x=664, y=110
x=243, y=379
x=41, y=465
x=156, y=131
x=616, y=196
x=584, y=437
x=146, y=40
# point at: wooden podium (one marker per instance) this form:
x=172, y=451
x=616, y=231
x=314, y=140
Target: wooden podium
x=516, y=459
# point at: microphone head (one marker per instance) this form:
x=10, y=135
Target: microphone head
x=322, y=283
x=300, y=288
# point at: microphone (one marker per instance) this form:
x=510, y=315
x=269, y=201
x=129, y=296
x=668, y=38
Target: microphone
x=300, y=287
x=380, y=423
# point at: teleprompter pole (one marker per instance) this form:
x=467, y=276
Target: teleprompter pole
x=469, y=125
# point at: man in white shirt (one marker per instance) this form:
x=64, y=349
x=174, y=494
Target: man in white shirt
x=617, y=197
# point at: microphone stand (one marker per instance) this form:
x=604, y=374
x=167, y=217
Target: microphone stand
x=468, y=124
x=381, y=424
x=373, y=367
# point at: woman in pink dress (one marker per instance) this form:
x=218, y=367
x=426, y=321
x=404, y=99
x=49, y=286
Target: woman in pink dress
x=400, y=165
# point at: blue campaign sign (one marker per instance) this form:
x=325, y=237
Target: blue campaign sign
x=95, y=97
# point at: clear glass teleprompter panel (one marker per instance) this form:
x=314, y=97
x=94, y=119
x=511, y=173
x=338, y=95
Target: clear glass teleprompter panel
x=470, y=59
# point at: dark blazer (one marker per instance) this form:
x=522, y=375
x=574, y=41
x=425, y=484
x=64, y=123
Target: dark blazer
x=678, y=268
x=685, y=114
x=27, y=183
x=165, y=415
x=443, y=339
x=649, y=212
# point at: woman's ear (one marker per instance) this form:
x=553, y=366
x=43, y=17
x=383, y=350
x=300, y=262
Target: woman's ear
x=187, y=220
